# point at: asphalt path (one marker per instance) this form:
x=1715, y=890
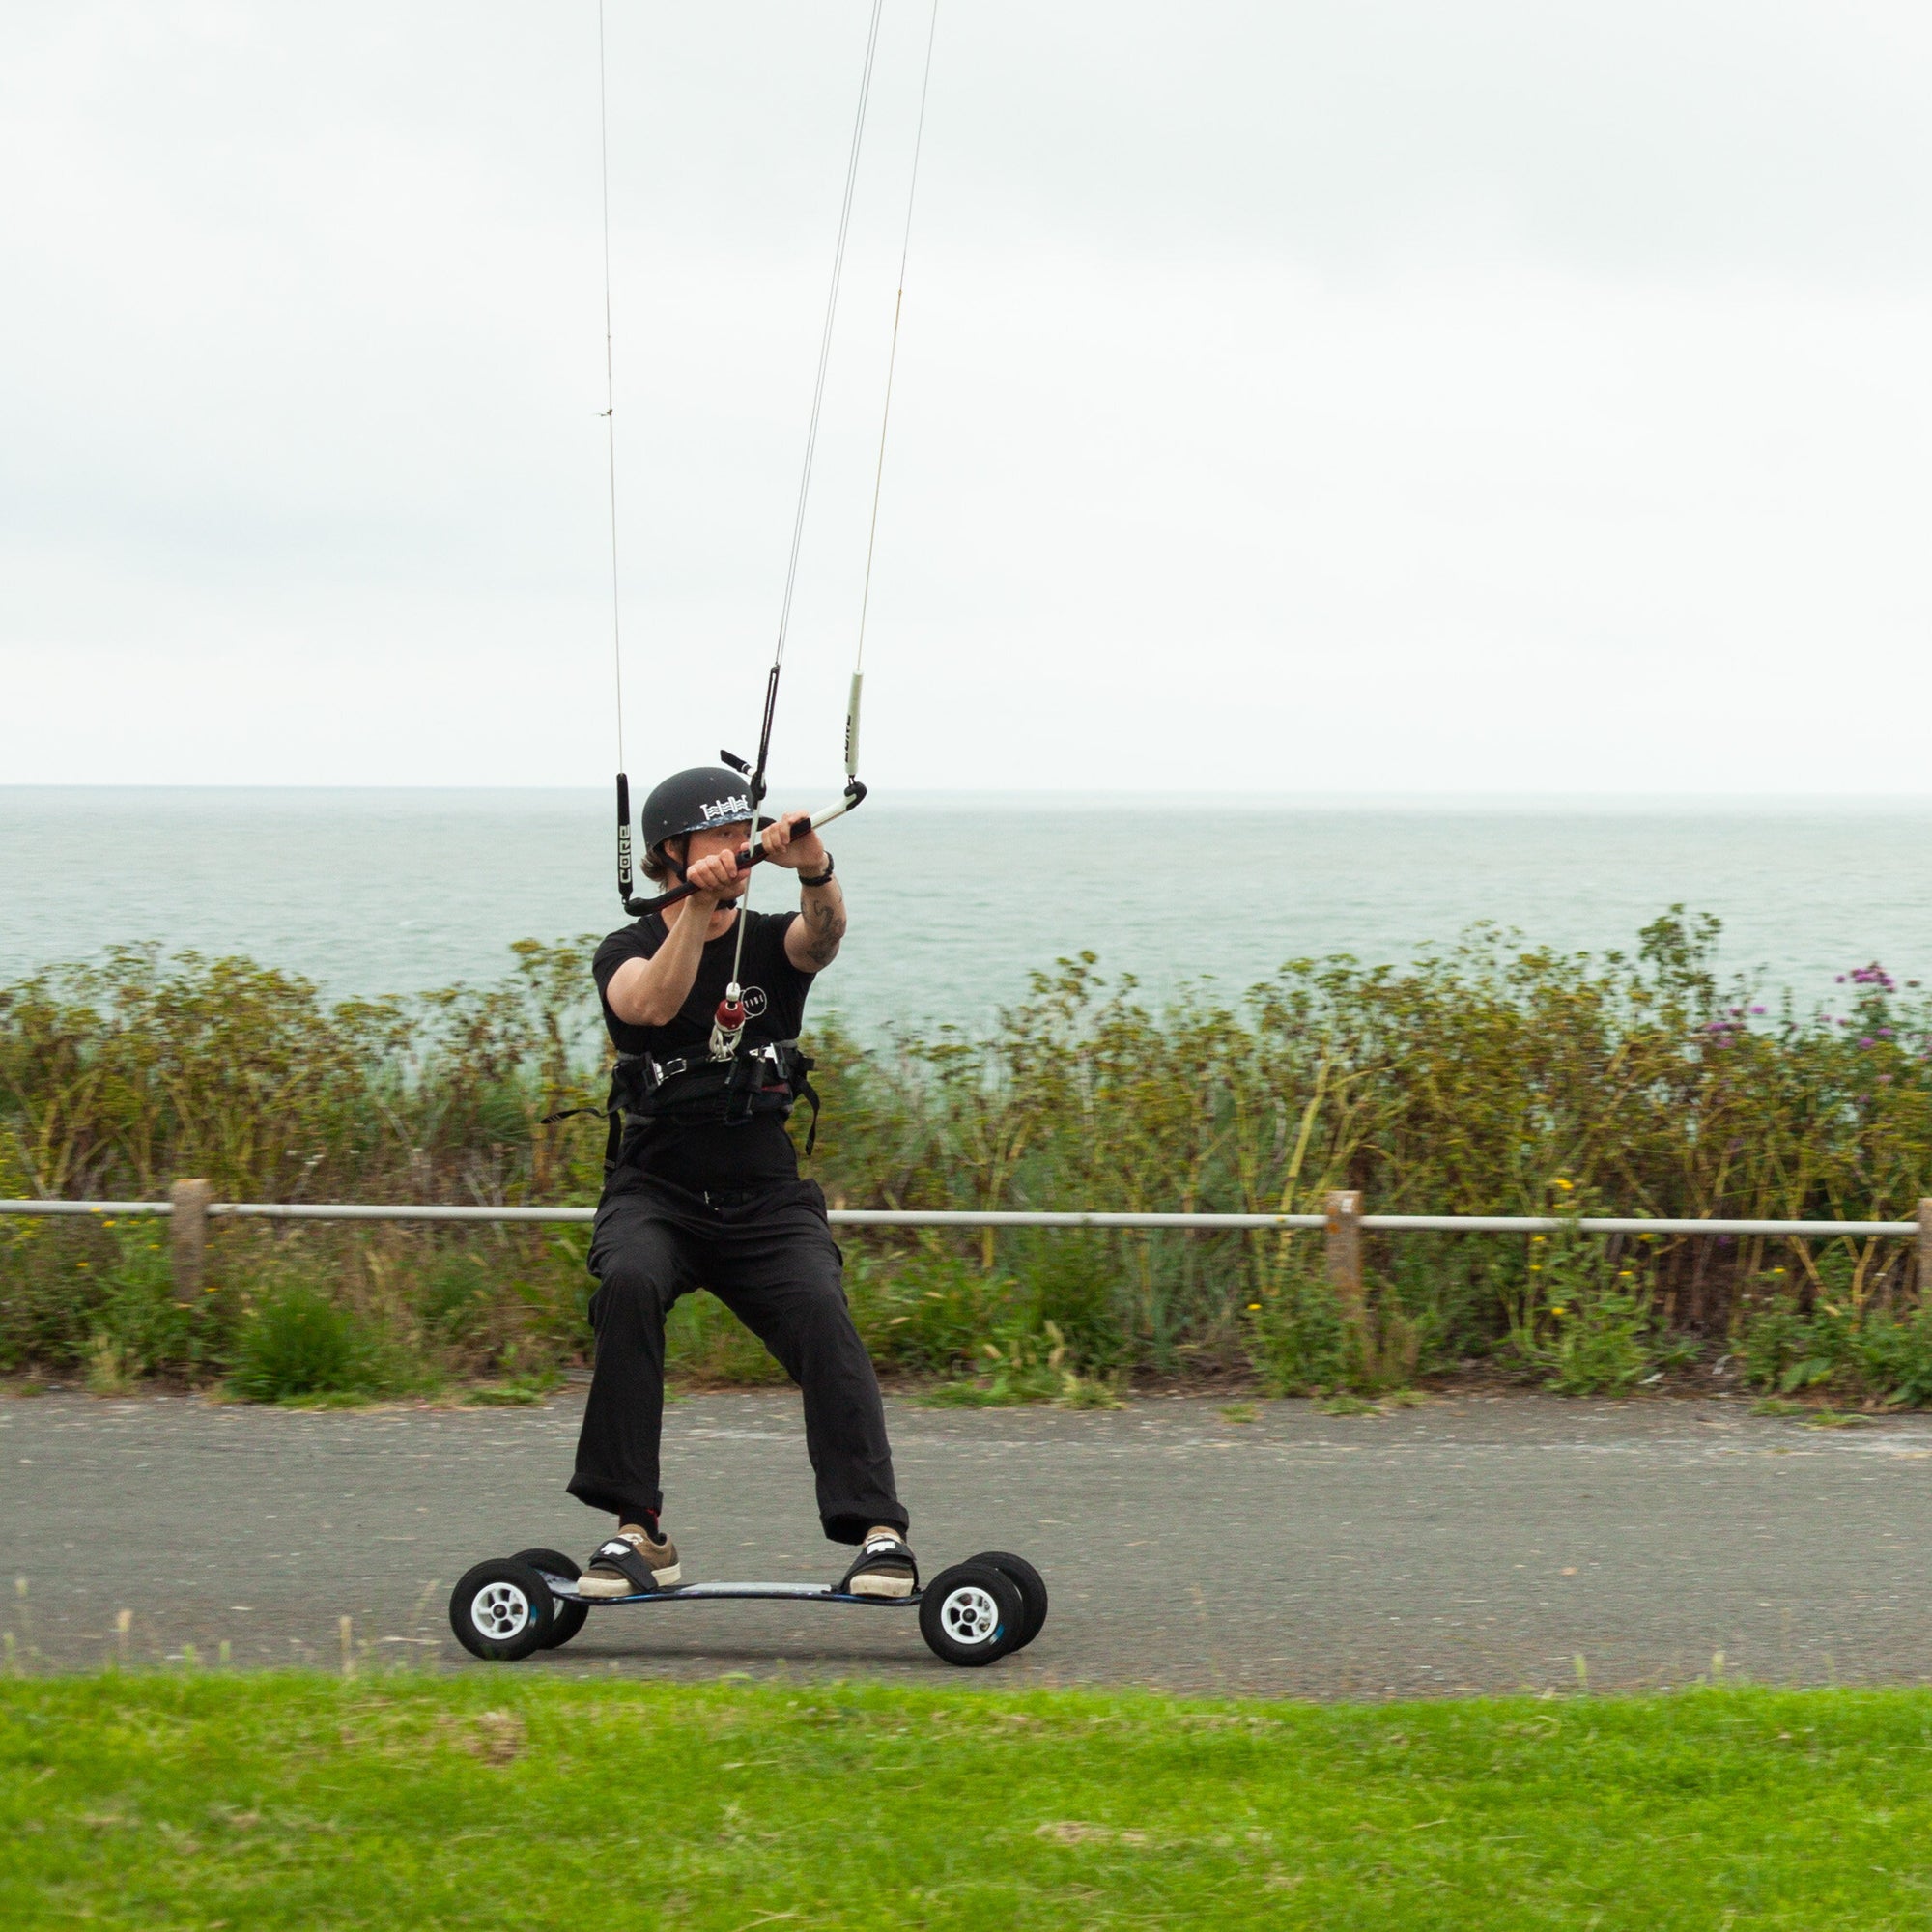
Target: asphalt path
x=1477, y=1543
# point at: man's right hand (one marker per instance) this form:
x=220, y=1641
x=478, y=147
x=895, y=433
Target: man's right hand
x=716, y=877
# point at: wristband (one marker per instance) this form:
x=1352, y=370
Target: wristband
x=819, y=878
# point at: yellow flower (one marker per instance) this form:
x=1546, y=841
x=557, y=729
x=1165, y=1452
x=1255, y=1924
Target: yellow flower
x=1567, y=1186
x=1252, y=1306
x=1535, y=1267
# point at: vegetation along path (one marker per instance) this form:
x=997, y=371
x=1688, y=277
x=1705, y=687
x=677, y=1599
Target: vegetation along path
x=1473, y=1544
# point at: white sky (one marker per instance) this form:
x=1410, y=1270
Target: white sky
x=1374, y=395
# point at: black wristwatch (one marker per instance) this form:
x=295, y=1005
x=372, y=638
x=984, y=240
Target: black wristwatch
x=819, y=878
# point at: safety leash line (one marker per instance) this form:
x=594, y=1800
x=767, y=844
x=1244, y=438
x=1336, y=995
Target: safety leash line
x=886, y=412
x=825, y=333
x=724, y=1035
x=611, y=449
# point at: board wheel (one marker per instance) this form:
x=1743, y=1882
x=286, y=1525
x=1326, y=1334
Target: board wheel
x=568, y=1618
x=971, y=1614
x=1030, y=1585
x=501, y=1611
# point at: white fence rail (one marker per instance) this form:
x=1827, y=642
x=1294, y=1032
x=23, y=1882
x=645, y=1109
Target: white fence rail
x=1343, y=1223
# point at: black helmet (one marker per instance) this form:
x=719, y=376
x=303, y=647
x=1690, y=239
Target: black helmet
x=689, y=801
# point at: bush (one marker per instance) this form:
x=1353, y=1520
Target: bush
x=1602, y=1345
x=137, y=1318
x=930, y=1307
x=1891, y=1357
x=1784, y=1349
x=1295, y=1338
x=299, y=1344
x=1874, y=1355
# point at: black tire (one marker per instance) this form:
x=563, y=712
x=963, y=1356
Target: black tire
x=568, y=1618
x=1030, y=1585
x=971, y=1614
x=501, y=1611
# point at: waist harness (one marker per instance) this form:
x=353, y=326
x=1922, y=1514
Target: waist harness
x=768, y=1078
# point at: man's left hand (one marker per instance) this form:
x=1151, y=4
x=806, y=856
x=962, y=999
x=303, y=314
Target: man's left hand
x=796, y=850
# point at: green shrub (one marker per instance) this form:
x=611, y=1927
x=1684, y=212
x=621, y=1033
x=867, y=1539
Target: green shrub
x=932, y=1307
x=1891, y=1357
x=298, y=1343
x=455, y=1296
x=98, y=1295
x=1875, y=1354
x=1784, y=1348
x=1295, y=1338
x=1602, y=1344
x=137, y=1317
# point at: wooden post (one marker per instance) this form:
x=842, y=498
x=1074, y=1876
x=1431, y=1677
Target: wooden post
x=1344, y=1208
x=188, y=1233
x=1925, y=1252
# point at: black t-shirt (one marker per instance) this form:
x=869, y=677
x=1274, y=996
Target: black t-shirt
x=697, y=1154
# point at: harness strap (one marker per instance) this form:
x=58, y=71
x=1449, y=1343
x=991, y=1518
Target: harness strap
x=637, y=1080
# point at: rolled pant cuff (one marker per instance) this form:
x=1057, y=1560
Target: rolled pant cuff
x=849, y=1525
x=596, y=1497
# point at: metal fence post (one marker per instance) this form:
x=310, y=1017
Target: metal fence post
x=1344, y=1208
x=1925, y=1249
x=188, y=1236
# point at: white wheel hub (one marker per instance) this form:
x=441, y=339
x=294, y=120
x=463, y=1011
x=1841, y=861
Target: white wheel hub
x=500, y=1611
x=969, y=1615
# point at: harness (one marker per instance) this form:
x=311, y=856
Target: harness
x=765, y=1078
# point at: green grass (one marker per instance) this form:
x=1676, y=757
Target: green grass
x=497, y=1799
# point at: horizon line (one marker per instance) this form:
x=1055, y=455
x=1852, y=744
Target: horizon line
x=1064, y=798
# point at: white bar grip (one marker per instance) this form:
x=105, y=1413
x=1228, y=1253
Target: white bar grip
x=852, y=725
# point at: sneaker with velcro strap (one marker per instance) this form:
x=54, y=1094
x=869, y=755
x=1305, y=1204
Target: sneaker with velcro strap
x=633, y=1563
x=885, y=1567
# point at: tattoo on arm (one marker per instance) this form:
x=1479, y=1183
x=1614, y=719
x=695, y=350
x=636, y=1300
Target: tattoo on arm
x=823, y=916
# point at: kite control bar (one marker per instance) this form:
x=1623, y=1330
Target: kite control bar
x=854, y=796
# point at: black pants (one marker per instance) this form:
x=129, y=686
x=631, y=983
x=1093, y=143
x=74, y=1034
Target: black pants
x=769, y=1257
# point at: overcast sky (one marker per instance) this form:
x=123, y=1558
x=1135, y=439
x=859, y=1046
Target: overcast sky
x=1358, y=396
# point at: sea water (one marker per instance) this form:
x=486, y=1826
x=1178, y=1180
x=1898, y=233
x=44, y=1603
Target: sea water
x=956, y=899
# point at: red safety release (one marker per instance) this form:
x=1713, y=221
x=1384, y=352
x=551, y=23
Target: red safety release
x=730, y=1017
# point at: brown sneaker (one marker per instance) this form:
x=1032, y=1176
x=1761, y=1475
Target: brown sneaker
x=884, y=1566
x=632, y=1564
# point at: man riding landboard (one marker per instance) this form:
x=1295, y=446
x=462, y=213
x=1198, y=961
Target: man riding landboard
x=705, y=1188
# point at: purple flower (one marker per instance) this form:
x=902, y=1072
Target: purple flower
x=1757, y=1009
x=1867, y=1041
x=1885, y=1079
x=1885, y=1033
x=1841, y=978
